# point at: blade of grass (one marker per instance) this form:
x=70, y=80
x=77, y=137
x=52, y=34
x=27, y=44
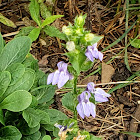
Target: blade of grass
x=132, y=133
x=131, y=78
x=120, y=38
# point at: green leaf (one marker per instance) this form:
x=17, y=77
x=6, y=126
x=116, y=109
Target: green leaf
x=17, y=101
x=92, y=137
x=17, y=70
x=25, y=129
x=31, y=117
x=54, y=32
x=132, y=133
x=77, y=59
x=15, y=51
x=24, y=83
x=68, y=101
x=35, y=136
x=135, y=43
x=47, y=137
x=6, y=21
x=96, y=39
x=55, y=115
x=34, y=11
x=31, y=62
x=86, y=65
x=50, y=20
x=5, y=78
x=45, y=12
x=2, y=117
x=2, y=43
x=25, y=31
x=34, y=34
x=34, y=117
x=10, y=133
x=46, y=94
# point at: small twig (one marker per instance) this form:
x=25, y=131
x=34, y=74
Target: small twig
x=10, y=34
x=110, y=83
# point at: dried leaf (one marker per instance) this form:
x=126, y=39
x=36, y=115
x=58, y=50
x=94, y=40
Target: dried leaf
x=6, y=21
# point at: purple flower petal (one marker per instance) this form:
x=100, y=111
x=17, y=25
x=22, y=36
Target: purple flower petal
x=55, y=77
x=80, y=110
x=91, y=87
x=86, y=109
x=62, y=66
x=50, y=78
x=89, y=56
x=92, y=109
x=63, y=78
x=100, y=98
x=100, y=56
x=102, y=92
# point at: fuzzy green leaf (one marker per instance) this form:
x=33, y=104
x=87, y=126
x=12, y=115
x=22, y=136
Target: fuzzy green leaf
x=50, y=19
x=34, y=11
x=17, y=101
x=54, y=32
x=15, y=51
x=34, y=34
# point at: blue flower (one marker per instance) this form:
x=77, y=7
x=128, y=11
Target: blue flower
x=99, y=94
x=92, y=53
x=85, y=107
x=60, y=76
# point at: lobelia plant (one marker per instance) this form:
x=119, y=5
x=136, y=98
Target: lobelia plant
x=82, y=52
x=24, y=96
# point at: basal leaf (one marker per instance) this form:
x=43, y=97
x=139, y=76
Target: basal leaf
x=10, y=133
x=17, y=70
x=17, y=101
x=24, y=83
x=47, y=137
x=68, y=101
x=6, y=21
x=25, y=129
x=35, y=136
x=54, y=32
x=31, y=117
x=34, y=34
x=34, y=11
x=55, y=115
x=2, y=117
x=50, y=19
x=15, y=51
x=5, y=78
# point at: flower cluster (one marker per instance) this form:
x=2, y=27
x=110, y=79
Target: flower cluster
x=60, y=76
x=85, y=107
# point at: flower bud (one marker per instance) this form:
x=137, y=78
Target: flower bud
x=79, y=20
x=89, y=37
x=66, y=30
x=78, y=32
x=70, y=46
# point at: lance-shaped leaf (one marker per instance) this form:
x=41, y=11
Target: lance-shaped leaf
x=50, y=19
x=17, y=101
x=15, y=51
x=34, y=11
x=6, y=21
x=34, y=34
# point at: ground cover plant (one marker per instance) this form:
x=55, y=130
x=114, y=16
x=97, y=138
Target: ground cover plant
x=117, y=25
